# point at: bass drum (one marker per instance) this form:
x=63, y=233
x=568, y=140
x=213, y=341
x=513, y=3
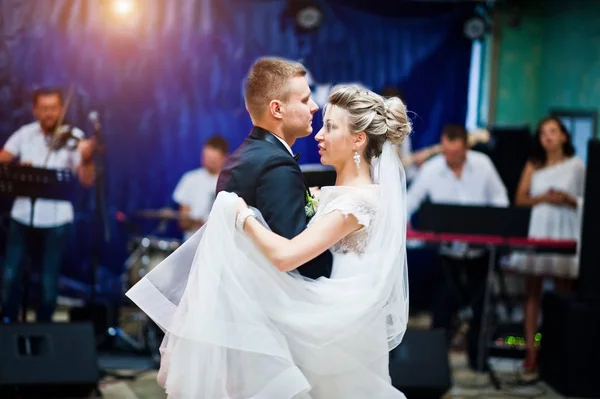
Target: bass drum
x=147, y=253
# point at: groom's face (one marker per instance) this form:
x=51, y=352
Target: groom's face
x=298, y=111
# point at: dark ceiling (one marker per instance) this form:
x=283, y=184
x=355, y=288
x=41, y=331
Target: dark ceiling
x=409, y=8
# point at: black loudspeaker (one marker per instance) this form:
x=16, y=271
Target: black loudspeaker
x=98, y=314
x=48, y=360
x=588, y=285
x=570, y=348
x=509, y=149
x=419, y=366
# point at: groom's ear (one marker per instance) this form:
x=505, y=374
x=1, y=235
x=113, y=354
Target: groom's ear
x=275, y=109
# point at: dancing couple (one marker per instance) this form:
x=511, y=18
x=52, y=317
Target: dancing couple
x=281, y=294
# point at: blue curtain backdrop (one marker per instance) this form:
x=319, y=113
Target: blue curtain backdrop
x=171, y=75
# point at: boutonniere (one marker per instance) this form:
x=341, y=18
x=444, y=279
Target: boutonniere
x=312, y=204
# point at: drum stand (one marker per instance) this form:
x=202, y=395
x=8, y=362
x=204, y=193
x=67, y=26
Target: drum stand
x=148, y=335
x=139, y=344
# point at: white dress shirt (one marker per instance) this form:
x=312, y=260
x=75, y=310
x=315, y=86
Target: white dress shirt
x=29, y=144
x=284, y=143
x=478, y=185
x=197, y=190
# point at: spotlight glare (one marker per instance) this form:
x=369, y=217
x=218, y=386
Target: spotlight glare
x=123, y=7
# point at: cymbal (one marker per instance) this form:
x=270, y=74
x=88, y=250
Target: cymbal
x=162, y=214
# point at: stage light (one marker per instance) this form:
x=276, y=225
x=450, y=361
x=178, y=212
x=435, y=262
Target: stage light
x=307, y=15
x=123, y=7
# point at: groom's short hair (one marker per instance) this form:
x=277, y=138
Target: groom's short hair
x=267, y=80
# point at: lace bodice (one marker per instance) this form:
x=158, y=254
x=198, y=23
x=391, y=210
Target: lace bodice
x=362, y=202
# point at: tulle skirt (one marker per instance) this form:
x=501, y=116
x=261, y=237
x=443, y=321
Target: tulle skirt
x=236, y=328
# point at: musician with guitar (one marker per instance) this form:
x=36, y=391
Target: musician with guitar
x=45, y=143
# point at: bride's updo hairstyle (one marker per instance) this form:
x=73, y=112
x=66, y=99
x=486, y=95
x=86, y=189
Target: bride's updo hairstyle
x=381, y=119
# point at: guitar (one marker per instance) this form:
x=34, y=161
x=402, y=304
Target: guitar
x=475, y=137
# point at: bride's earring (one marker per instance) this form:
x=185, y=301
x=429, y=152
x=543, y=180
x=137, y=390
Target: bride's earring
x=357, y=159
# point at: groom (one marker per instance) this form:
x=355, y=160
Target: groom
x=263, y=170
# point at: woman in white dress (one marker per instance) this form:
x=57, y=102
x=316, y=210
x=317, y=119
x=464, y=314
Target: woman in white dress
x=240, y=322
x=552, y=184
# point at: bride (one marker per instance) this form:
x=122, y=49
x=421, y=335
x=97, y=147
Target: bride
x=240, y=322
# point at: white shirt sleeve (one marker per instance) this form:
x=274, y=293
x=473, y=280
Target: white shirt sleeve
x=418, y=190
x=14, y=143
x=496, y=191
x=181, y=194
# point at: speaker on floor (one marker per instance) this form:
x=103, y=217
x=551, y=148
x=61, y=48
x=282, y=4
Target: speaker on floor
x=99, y=314
x=570, y=349
x=419, y=366
x=589, y=254
x=49, y=360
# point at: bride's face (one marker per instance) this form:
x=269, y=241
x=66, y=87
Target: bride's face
x=336, y=146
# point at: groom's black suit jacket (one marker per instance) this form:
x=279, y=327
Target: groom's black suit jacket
x=267, y=177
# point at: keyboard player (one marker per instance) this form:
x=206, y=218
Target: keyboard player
x=35, y=145
x=463, y=177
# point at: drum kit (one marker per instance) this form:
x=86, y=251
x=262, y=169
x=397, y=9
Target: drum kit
x=146, y=253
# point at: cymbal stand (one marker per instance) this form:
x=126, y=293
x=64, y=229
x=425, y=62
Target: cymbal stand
x=138, y=316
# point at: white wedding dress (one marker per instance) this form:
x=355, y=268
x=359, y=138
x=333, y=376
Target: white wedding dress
x=237, y=328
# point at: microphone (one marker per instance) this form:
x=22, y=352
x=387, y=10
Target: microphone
x=94, y=117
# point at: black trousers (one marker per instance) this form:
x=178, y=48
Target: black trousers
x=463, y=286
x=20, y=243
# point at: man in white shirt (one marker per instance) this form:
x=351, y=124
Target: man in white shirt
x=31, y=145
x=195, y=192
x=462, y=177
x=457, y=176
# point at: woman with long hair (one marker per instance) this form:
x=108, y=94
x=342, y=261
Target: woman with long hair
x=552, y=183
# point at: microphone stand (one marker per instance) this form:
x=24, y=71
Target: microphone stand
x=94, y=311
x=100, y=217
x=106, y=316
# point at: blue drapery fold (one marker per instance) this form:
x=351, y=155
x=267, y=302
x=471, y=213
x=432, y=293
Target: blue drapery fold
x=171, y=75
